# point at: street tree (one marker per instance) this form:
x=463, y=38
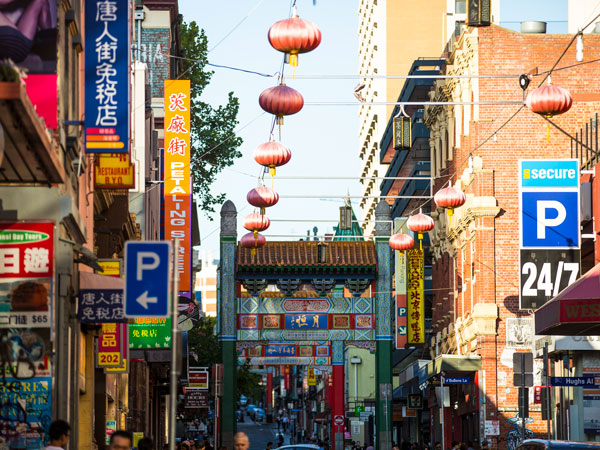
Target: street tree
x=214, y=142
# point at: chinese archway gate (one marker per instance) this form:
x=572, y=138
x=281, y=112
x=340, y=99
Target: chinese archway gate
x=307, y=331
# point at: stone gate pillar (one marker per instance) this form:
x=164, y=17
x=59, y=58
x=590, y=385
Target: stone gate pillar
x=339, y=384
x=228, y=325
x=384, y=327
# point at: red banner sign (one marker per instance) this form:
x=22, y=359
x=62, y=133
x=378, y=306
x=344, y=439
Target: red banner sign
x=26, y=250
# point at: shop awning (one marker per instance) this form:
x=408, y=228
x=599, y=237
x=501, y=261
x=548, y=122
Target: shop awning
x=93, y=281
x=450, y=363
x=575, y=311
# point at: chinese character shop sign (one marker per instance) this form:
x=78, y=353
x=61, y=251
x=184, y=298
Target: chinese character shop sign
x=26, y=250
x=107, y=76
x=178, y=185
x=415, y=297
x=110, y=344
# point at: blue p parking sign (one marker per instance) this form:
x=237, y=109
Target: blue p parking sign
x=550, y=219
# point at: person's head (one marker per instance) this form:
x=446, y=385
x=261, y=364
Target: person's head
x=145, y=444
x=437, y=446
x=240, y=441
x=454, y=444
x=59, y=433
x=395, y=447
x=269, y=445
x=470, y=444
x=200, y=444
x=120, y=440
x=485, y=444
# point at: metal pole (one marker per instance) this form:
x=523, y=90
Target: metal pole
x=442, y=417
x=522, y=388
x=547, y=387
x=355, y=384
x=173, y=399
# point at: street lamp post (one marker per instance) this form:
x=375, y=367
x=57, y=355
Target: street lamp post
x=355, y=361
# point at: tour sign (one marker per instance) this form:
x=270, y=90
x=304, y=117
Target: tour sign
x=147, y=267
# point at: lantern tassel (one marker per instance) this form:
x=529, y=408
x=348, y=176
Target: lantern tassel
x=255, y=234
x=253, y=254
x=450, y=210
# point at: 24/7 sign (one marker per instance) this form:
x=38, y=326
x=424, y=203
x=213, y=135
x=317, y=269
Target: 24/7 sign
x=544, y=273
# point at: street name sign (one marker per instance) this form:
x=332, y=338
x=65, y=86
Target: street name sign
x=147, y=276
x=457, y=380
x=589, y=382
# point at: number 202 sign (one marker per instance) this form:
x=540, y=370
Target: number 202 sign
x=544, y=273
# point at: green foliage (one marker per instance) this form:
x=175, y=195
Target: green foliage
x=214, y=143
x=205, y=350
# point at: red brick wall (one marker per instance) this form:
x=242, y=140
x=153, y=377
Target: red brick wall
x=496, y=240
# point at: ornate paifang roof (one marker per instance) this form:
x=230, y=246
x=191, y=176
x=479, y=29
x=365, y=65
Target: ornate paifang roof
x=302, y=257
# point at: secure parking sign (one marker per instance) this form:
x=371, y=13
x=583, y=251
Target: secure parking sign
x=549, y=228
x=549, y=200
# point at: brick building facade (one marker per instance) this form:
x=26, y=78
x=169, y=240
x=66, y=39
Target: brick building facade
x=476, y=255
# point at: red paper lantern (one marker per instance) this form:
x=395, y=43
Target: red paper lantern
x=401, y=242
x=293, y=36
x=281, y=101
x=256, y=222
x=450, y=198
x=262, y=197
x=549, y=100
x=420, y=223
x=249, y=241
x=272, y=154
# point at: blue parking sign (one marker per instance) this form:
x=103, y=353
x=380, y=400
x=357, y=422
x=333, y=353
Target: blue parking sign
x=550, y=219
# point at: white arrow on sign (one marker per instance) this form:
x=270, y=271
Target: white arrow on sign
x=144, y=300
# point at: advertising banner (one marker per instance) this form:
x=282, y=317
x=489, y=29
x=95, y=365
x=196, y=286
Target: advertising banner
x=197, y=378
x=178, y=185
x=111, y=267
x=150, y=333
x=415, y=296
x=107, y=83
x=26, y=411
x=400, y=286
x=110, y=345
x=312, y=379
x=114, y=171
x=29, y=37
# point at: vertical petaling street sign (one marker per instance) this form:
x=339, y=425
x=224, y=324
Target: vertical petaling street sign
x=178, y=186
x=107, y=76
x=415, y=296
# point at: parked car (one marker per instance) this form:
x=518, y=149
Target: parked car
x=542, y=444
x=258, y=415
x=250, y=408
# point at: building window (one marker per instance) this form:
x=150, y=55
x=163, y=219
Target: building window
x=458, y=29
x=460, y=7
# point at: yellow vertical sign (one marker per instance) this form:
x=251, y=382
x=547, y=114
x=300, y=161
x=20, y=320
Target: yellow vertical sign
x=312, y=379
x=415, y=296
x=178, y=186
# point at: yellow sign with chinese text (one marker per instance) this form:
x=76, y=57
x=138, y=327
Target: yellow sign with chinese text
x=415, y=296
x=178, y=185
x=312, y=379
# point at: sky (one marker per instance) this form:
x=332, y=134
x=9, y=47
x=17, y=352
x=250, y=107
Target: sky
x=323, y=139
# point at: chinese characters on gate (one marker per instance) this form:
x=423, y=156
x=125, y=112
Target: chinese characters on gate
x=107, y=76
x=178, y=185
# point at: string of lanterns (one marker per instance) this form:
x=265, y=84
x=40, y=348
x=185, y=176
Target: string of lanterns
x=291, y=36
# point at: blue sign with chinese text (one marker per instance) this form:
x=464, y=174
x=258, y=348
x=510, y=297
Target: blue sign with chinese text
x=306, y=322
x=107, y=82
x=280, y=350
x=100, y=306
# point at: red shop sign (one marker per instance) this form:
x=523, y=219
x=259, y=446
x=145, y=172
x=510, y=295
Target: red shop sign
x=26, y=249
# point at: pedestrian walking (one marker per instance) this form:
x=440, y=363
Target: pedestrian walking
x=145, y=443
x=59, y=433
x=286, y=422
x=120, y=440
x=241, y=441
